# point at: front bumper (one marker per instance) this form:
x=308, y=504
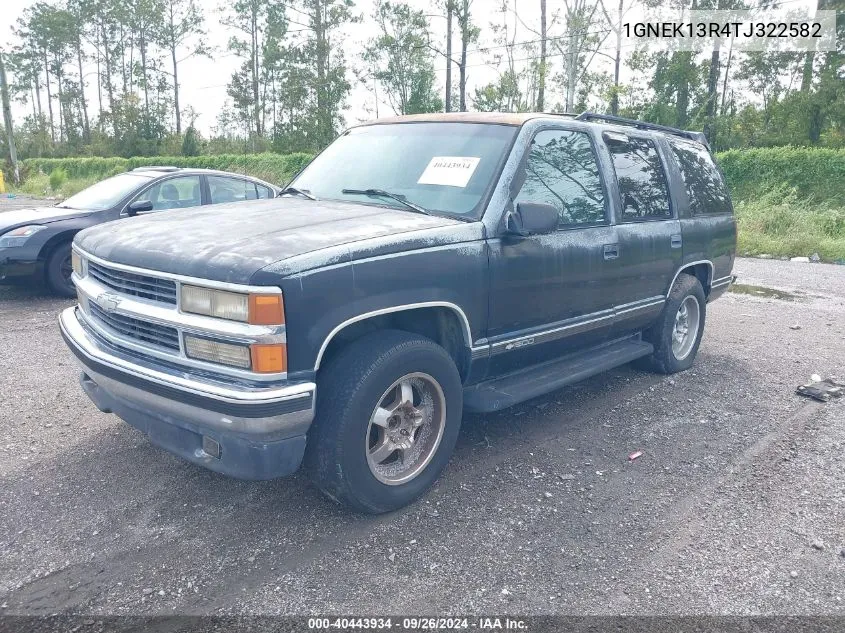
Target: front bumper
x=260, y=429
x=15, y=270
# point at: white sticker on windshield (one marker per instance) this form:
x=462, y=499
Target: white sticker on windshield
x=449, y=171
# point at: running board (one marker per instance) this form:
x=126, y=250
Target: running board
x=512, y=389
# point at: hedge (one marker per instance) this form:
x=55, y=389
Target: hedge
x=818, y=174
x=815, y=173
x=274, y=168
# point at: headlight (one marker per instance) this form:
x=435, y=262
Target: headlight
x=258, y=309
x=18, y=236
x=76, y=262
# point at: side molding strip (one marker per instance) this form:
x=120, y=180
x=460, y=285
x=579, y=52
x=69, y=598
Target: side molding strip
x=590, y=322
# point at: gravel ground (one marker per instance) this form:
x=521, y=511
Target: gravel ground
x=22, y=202
x=736, y=506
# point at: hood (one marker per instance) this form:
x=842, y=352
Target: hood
x=231, y=242
x=37, y=215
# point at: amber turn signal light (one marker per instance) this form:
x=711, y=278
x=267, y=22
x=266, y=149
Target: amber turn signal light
x=269, y=359
x=266, y=310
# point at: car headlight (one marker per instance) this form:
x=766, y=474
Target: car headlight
x=258, y=309
x=19, y=236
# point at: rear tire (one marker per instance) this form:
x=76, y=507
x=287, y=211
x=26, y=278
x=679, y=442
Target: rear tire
x=58, y=271
x=387, y=389
x=676, y=335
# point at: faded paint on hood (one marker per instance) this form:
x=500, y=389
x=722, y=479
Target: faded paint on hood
x=37, y=215
x=230, y=242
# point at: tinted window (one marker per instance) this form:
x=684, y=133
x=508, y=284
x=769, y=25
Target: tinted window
x=642, y=184
x=445, y=167
x=705, y=187
x=264, y=192
x=231, y=189
x=562, y=171
x=174, y=193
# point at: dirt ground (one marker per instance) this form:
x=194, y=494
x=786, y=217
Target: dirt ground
x=736, y=506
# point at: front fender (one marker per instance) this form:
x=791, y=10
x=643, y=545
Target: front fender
x=320, y=303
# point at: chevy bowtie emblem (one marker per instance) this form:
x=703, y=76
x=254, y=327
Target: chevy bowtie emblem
x=107, y=301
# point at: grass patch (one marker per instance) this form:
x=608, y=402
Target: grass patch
x=39, y=185
x=780, y=223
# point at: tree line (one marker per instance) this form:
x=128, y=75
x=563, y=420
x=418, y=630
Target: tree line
x=292, y=88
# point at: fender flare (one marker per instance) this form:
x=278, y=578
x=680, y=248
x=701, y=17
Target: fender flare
x=462, y=318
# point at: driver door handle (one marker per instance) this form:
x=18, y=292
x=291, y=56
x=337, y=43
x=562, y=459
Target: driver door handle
x=611, y=251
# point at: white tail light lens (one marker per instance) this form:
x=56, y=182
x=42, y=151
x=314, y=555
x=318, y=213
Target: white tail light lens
x=217, y=352
x=215, y=303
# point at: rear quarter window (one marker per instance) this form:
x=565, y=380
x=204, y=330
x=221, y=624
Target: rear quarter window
x=705, y=186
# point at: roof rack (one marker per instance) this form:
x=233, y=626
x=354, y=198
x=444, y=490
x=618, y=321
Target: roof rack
x=156, y=168
x=642, y=125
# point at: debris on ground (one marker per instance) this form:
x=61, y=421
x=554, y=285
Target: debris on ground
x=635, y=455
x=803, y=260
x=821, y=390
x=795, y=327
x=818, y=544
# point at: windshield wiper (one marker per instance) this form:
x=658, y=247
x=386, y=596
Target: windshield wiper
x=386, y=194
x=298, y=192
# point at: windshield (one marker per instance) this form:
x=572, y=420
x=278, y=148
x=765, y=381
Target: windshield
x=443, y=167
x=106, y=193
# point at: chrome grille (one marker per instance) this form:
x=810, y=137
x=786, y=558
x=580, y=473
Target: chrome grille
x=143, y=286
x=143, y=331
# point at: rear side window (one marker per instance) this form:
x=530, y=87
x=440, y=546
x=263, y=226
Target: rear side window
x=231, y=189
x=562, y=171
x=639, y=172
x=704, y=183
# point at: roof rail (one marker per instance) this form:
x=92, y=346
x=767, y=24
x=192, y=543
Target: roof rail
x=156, y=168
x=642, y=125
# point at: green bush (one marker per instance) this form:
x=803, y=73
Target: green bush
x=277, y=169
x=58, y=177
x=815, y=173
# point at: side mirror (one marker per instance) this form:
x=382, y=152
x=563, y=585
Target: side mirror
x=139, y=206
x=533, y=218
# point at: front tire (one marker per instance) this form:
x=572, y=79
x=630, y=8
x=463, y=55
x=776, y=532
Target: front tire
x=676, y=335
x=388, y=414
x=58, y=271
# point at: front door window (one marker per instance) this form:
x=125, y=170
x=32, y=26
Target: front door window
x=173, y=193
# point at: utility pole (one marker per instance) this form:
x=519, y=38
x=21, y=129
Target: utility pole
x=7, y=117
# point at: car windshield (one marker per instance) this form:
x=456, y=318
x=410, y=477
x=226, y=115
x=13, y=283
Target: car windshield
x=106, y=193
x=443, y=167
